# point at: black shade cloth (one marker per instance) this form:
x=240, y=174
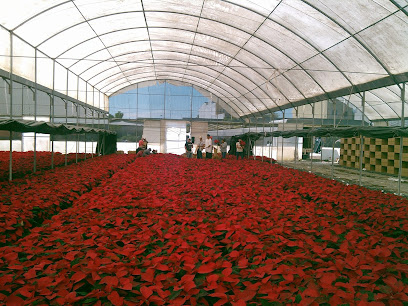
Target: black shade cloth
x=383, y=132
x=47, y=127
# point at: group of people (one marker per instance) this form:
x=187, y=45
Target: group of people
x=207, y=146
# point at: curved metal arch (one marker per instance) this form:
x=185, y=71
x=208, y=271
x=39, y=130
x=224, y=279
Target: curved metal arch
x=233, y=80
x=39, y=13
x=267, y=17
x=193, y=82
x=401, y=8
x=367, y=104
x=187, y=84
x=216, y=21
x=232, y=96
x=197, y=71
x=385, y=102
x=295, y=62
x=354, y=36
x=135, y=68
x=181, y=42
x=299, y=36
x=266, y=108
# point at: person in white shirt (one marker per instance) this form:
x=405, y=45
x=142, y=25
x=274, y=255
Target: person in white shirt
x=208, y=147
x=200, y=148
x=223, y=146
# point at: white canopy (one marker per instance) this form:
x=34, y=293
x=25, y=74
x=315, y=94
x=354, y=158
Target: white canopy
x=255, y=55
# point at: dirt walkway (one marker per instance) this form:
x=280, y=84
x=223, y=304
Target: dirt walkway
x=373, y=180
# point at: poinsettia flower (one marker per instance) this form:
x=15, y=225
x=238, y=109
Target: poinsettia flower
x=153, y=233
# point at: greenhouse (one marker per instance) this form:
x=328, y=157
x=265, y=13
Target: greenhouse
x=206, y=152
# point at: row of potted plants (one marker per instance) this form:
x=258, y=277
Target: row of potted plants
x=27, y=202
x=23, y=162
x=169, y=230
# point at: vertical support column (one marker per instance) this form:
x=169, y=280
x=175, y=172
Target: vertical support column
x=312, y=138
x=191, y=111
x=93, y=118
x=263, y=138
x=249, y=142
x=361, y=140
x=77, y=115
x=256, y=131
x=272, y=130
x=402, y=138
x=52, y=113
x=296, y=138
x=66, y=136
x=86, y=101
x=66, y=122
x=283, y=128
x=77, y=138
x=321, y=139
x=137, y=110
x=99, y=127
x=164, y=102
x=85, y=110
x=35, y=108
x=22, y=112
x=11, y=108
x=277, y=144
x=334, y=126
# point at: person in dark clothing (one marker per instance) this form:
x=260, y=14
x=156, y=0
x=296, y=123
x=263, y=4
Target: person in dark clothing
x=189, y=148
x=200, y=148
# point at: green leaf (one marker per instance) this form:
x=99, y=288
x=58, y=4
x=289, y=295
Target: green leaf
x=298, y=298
x=174, y=294
x=268, y=303
x=90, y=300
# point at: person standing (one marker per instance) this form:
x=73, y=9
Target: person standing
x=208, y=147
x=223, y=146
x=189, y=146
x=200, y=148
x=240, y=149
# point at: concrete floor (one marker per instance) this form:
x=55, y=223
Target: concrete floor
x=372, y=180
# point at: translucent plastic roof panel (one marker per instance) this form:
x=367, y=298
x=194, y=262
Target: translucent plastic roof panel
x=217, y=44
x=39, y=28
x=182, y=21
x=183, y=36
x=284, y=40
x=56, y=45
x=74, y=54
x=95, y=9
x=231, y=14
x=258, y=54
x=223, y=31
x=131, y=47
x=377, y=37
x=186, y=7
x=118, y=22
x=349, y=14
x=331, y=79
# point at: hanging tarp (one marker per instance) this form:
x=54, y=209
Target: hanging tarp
x=47, y=127
x=106, y=144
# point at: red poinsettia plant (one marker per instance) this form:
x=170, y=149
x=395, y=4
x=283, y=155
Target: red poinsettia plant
x=216, y=142
x=155, y=233
x=242, y=143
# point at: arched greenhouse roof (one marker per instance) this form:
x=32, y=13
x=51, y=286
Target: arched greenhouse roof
x=256, y=56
